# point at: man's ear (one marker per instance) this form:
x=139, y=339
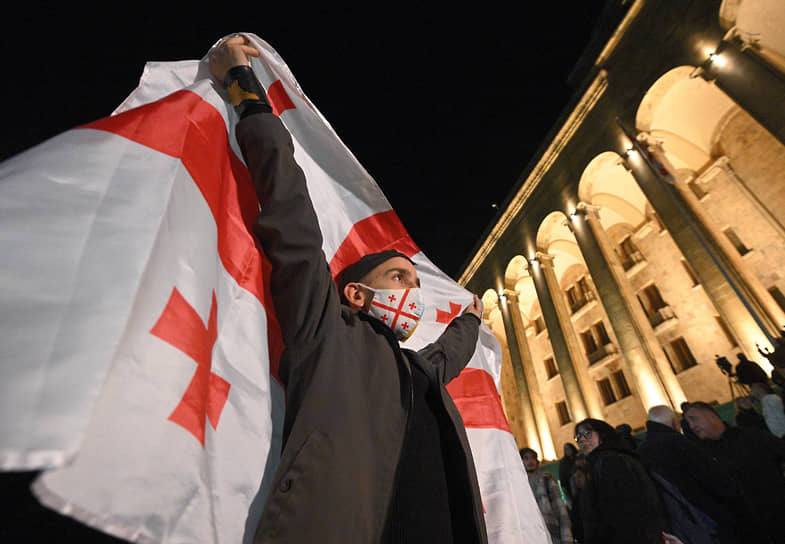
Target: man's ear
x=357, y=297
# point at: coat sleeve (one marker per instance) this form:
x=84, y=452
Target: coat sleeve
x=304, y=296
x=451, y=352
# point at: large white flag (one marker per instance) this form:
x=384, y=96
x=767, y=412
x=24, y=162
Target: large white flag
x=139, y=344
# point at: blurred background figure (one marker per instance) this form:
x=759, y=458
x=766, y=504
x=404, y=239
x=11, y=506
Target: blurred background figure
x=548, y=496
x=566, y=468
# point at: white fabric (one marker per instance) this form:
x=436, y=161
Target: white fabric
x=101, y=229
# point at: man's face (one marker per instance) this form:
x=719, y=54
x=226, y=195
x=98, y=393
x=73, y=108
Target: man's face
x=395, y=273
x=706, y=425
x=587, y=440
x=530, y=462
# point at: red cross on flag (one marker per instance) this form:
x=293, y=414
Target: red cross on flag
x=140, y=364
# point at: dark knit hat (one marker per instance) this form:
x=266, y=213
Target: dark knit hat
x=357, y=271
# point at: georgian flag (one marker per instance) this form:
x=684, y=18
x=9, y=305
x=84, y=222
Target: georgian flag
x=139, y=344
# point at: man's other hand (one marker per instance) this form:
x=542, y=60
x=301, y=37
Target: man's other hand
x=475, y=308
x=230, y=53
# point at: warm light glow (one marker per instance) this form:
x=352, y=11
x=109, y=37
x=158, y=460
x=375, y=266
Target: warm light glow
x=716, y=59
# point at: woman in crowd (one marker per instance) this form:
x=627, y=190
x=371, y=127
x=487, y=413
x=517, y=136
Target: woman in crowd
x=619, y=503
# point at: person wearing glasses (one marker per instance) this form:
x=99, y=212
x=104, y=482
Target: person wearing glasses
x=619, y=503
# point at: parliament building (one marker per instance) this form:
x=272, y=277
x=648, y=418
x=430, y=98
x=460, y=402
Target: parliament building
x=647, y=236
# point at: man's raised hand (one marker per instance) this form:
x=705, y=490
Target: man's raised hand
x=475, y=308
x=229, y=53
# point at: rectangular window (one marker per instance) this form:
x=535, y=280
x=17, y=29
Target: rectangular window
x=588, y=342
x=601, y=334
x=606, y=391
x=726, y=331
x=736, y=241
x=622, y=387
x=653, y=305
x=628, y=253
x=682, y=356
x=779, y=298
x=690, y=272
x=539, y=324
x=563, y=413
x=583, y=287
x=550, y=367
x=572, y=296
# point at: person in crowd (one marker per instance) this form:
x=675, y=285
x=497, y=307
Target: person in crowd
x=625, y=433
x=699, y=478
x=619, y=503
x=684, y=424
x=749, y=372
x=752, y=457
x=774, y=357
x=746, y=414
x=566, y=468
x=546, y=493
x=771, y=408
x=580, y=475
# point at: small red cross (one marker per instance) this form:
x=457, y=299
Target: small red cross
x=181, y=326
x=412, y=306
x=443, y=316
x=391, y=298
x=405, y=325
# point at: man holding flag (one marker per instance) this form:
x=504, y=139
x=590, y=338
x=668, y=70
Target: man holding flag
x=374, y=448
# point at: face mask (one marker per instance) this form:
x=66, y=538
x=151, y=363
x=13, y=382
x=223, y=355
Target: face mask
x=399, y=309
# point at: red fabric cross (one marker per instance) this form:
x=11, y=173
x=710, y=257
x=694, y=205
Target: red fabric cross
x=443, y=316
x=180, y=326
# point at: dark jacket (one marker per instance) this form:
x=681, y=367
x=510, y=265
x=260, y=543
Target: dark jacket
x=348, y=383
x=619, y=503
x=698, y=477
x=754, y=459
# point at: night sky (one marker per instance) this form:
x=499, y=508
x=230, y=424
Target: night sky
x=444, y=107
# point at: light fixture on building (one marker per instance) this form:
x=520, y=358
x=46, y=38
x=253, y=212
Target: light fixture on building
x=715, y=59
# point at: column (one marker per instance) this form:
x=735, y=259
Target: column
x=705, y=257
x=651, y=372
x=582, y=395
x=527, y=413
x=752, y=84
x=527, y=363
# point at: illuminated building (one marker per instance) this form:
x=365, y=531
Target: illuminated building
x=648, y=235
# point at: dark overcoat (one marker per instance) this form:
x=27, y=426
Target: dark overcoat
x=348, y=383
x=620, y=503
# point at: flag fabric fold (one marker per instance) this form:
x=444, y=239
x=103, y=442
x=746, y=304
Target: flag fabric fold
x=140, y=347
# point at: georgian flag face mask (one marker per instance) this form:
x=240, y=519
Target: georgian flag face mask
x=399, y=309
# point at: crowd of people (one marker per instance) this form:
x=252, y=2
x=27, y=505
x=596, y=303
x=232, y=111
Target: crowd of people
x=693, y=479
